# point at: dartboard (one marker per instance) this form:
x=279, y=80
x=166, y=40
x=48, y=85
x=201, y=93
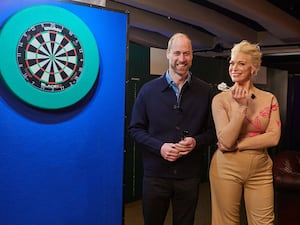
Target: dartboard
x=50, y=59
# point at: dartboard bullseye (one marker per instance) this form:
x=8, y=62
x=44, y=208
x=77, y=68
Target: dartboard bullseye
x=50, y=57
x=55, y=62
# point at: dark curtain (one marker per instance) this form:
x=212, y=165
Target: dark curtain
x=291, y=135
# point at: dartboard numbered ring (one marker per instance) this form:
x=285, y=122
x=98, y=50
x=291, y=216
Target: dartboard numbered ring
x=50, y=58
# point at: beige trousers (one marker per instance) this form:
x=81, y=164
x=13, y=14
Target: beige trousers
x=242, y=173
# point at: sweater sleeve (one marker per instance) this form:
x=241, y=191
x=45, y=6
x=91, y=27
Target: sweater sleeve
x=139, y=125
x=228, y=125
x=271, y=135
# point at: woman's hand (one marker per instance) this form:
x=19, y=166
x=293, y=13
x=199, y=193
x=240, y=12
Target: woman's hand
x=240, y=95
x=223, y=149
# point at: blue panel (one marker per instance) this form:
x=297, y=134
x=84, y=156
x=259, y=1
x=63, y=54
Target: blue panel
x=65, y=167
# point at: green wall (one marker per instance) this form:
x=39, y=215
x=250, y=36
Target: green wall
x=138, y=73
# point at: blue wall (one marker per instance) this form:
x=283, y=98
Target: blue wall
x=65, y=166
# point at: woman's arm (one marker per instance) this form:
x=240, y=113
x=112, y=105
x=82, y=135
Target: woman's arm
x=272, y=133
x=228, y=118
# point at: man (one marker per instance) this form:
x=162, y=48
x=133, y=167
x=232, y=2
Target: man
x=172, y=120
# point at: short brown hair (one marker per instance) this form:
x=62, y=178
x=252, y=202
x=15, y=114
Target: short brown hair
x=170, y=42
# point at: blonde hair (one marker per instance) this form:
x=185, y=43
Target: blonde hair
x=253, y=50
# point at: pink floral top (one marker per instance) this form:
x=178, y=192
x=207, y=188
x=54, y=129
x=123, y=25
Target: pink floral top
x=256, y=128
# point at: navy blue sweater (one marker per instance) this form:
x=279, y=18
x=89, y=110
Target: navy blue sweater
x=157, y=118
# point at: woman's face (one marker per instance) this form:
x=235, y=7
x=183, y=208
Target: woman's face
x=240, y=67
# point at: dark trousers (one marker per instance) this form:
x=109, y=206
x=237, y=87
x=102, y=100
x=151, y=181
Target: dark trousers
x=159, y=192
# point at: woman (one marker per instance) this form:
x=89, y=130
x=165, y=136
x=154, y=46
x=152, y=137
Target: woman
x=247, y=122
